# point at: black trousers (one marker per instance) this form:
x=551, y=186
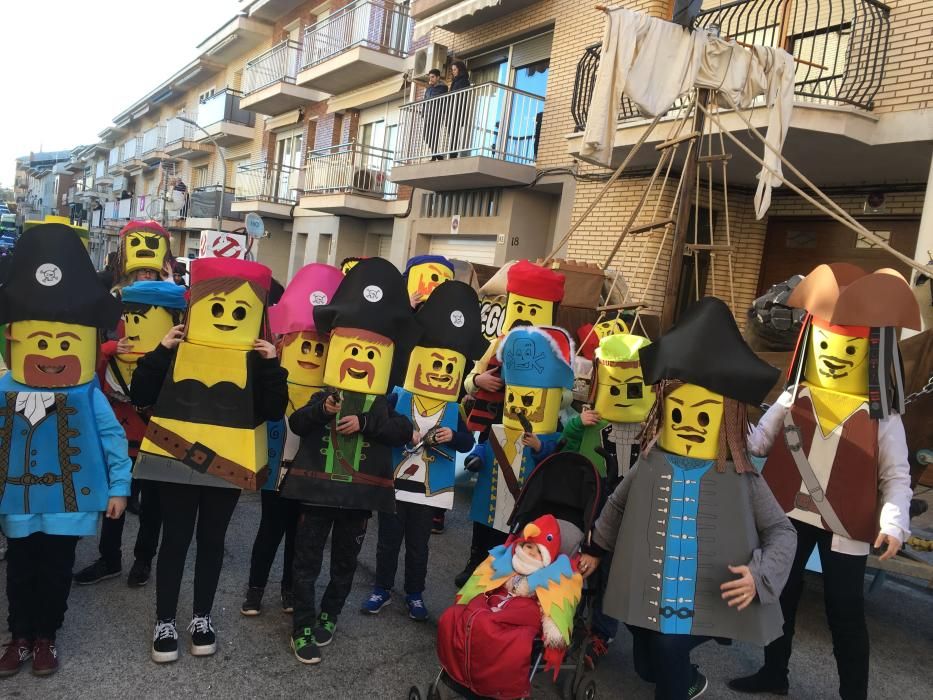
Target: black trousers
x=484, y=539
x=182, y=505
x=411, y=523
x=843, y=593
x=38, y=581
x=279, y=519
x=346, y=529
x=664, y=659
x=150, y=524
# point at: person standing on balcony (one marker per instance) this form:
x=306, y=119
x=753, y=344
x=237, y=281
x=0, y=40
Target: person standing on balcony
x=431, y=112
x=458, y=111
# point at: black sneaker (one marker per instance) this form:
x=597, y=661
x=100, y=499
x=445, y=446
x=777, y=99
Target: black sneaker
x=324, y=629
x=203, y=638
x=762, y=681
x=139, y=574
x=305, y=648
x=288, y=602
x=165, y=642
x=98, y=571
x=252, y=606
x=699, y=685
x=438, y=524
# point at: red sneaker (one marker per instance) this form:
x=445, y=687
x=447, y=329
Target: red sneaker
x=44, y=657
x=16, y=653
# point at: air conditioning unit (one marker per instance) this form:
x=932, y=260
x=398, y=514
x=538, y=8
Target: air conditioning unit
x=424, y=60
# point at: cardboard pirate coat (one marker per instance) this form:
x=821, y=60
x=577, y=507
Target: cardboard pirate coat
x=51, y=455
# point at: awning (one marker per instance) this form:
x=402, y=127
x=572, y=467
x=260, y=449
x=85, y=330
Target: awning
x=452, y=14
x=367, y=96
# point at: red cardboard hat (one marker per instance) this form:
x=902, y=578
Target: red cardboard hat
x=534, y=281
x=148, y=225
x=204, y=269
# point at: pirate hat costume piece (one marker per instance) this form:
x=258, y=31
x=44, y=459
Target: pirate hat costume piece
x=537, y=356
x=312, y=286
x=166, y=295
x=145, y=245
x=450, y=319
x=534, y=281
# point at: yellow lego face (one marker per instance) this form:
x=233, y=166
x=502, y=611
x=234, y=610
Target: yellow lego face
x=425, y=278
x=691, y=422
x=144, y=250
x=541, y=407
x=837, y=361
x=621, y=394
x=303, y=355
x=358, y=360
x=435, y=373
x=145, y=328
x=526, y=311
x=614, y=326
x=44, y=354
x=226, y=319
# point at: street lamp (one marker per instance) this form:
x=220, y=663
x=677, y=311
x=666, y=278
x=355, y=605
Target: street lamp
x=223, y=158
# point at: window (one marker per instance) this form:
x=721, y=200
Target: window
x=199, y=176
x=205, y=96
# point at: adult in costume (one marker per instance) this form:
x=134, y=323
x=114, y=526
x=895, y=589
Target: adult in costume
x=424, y=472
x=837, y=455
x=150, y=309
x=687, y=513
x=212, y=384
x=343, y=469
x=145, y=253
x=63, y=454
x=302, y=352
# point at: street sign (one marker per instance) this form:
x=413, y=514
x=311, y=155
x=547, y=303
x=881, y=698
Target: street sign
x=255, y=228
x=455, y=225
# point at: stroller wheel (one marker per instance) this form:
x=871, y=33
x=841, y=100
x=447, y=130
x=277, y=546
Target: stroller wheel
x=414, y=693
x=586, y=690
x=566, y=686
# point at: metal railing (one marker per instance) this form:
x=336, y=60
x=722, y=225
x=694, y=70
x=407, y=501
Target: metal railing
x=278, y=64
x=154, y=139
x=489, y=120
x=267, y=182
x=177, y=130
x=350, y=168
x=840, y=46
x=100, y=170
x=132, y=149
x=223, y=106
x=381, y=25
x=115, y=157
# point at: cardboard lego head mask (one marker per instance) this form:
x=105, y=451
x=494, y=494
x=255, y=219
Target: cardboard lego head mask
x=691, y=422
x=536, y=369
x=144, y=245
x=837, y=358
x=533, y=295
x=621, y=393
x=424, y=273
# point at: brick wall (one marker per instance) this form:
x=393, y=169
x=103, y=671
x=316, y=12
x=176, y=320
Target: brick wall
x=908, y=76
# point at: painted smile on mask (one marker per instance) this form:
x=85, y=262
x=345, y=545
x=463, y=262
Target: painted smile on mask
x=41, y=371
x=835, y=368
x=357, y=370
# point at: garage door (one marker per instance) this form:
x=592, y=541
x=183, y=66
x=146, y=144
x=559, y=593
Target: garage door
x=385, y=246
x=474, y=249
x=796, y=246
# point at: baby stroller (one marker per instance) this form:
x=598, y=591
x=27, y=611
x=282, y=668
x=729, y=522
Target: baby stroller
x=565, y=485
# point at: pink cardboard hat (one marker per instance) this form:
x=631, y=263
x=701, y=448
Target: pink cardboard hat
x=313, y=285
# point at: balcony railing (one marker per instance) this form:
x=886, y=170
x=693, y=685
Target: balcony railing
x=267, y=182
x=278, y=64
x=115, y=157
x=224, y=106
x=489, y=120
x=381, y=25
x=177, y=130
x=351, y=168
x=100, y=170
x=154, y=139
x=132, y=149
x=841, y=48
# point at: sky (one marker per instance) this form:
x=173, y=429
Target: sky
x=70, y=67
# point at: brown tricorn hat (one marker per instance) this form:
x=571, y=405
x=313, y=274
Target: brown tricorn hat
x=846, y=295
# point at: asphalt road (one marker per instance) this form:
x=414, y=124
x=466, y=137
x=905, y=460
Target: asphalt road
x=104, y=645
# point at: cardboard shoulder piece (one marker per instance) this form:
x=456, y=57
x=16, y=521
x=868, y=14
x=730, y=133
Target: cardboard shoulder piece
x=372, y=332
x=51, y=456
x=706, y=375
x=204, y=427
x=845, y=376
x=424, y=273
x=145, y=245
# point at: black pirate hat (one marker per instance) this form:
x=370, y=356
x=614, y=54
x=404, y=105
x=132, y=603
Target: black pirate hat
x=450, y=319
x=52, y=279
x=706, y=348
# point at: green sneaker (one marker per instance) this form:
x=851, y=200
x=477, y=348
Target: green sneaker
x=306, y=651
x=324, y=629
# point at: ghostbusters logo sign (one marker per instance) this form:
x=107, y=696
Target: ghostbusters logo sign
x=48, y=274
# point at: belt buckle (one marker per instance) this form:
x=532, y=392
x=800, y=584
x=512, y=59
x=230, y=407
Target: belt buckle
x=199, y=457
x=345, y=478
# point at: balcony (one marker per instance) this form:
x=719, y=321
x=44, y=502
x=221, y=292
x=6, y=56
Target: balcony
x=202, y=208
x=840, y=48
x=153, y=148
x=269, y=81
x=115, y=160
x=484, y=136
x=351, y=179
x=365, y=42
x=132, y=154
x=460, y=15
x=181, y=141
x=266, y=188
x=222, y=117
x=101, y=174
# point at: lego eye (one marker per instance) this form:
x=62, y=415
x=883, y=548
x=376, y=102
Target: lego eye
x=703, y=418
x=434, y=278
x=319, y=350
x=152, y=243
x=519, y=308
x=306, y=348
x=634, y=390
x=615, y=391
x=355, y=352
x=43, y=345
x=436, y=365
x=136, y=319
x=511, y=396
x=65, y=345
x=823, y=345
x=676, y=415
x=217, y=310
x=528, y=400
x=450, y=368
x=532, y=311
x=850, y=350
x=239, y=313
x=134, y=242
x=371, y=355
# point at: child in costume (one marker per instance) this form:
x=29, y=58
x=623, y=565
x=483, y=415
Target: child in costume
x=145, y=253
x=686, y=514
x=424, y=274
x=533, y=294
x=150, y=309
x=302, y=352
x=837, y=455
x=63, y=454
x=424, y=473
x=213, y=384
x=524, y=588
x=343, y=469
